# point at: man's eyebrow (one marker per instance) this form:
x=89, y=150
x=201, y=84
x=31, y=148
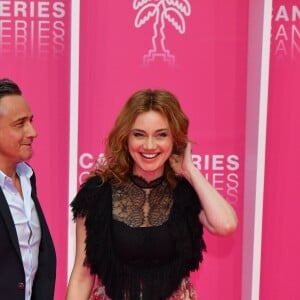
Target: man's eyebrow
x=22, y=119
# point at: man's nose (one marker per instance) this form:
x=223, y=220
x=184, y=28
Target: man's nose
x=31, y=131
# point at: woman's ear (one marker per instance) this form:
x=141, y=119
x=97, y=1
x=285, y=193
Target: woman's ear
x=179, y=148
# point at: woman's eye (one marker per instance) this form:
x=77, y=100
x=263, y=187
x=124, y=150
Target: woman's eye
x=162, y=134
x=137, y=134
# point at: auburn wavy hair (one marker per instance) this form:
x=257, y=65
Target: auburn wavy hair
x=118, y=164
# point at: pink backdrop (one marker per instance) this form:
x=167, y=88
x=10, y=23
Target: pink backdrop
x=34, y=52
x=203, y=61
x=205, y=66
x=281, y=222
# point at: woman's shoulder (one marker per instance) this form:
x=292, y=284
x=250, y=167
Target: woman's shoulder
x=92, y=193
x=183, y=186
x=91, y=182
x=185, y=195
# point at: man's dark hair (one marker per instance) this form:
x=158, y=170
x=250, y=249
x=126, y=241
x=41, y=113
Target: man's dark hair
x=8, y=87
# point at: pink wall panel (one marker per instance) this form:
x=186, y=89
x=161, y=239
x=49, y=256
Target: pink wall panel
x=204, y=64
x=281, y=222
x=34, y=52
x=203, y=61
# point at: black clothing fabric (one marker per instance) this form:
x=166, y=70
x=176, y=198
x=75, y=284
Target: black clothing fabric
x=134, y=261
x=143, y=246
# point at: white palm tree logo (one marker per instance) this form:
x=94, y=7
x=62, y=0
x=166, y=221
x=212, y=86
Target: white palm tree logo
x=172, y=11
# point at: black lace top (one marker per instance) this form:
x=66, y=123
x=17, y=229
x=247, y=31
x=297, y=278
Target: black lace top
x=142, y=238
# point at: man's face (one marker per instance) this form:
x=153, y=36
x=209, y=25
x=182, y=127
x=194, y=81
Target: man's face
x=16, y=130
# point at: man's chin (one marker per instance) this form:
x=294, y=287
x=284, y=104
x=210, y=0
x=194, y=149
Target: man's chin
x=27, y=156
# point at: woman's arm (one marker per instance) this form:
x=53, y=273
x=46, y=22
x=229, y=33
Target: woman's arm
x=81, y=281
x=217, y=215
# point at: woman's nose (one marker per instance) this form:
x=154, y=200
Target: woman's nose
x=149, y=143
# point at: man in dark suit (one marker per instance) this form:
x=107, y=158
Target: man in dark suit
x=27, y=254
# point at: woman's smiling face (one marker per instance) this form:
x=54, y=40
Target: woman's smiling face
x=150, y=144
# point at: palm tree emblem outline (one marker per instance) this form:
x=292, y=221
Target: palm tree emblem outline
x=173, y=11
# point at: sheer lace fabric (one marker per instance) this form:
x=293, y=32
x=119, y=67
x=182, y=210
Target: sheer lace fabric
x=142, y=204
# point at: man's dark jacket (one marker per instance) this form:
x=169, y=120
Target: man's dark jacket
x=12, y=276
